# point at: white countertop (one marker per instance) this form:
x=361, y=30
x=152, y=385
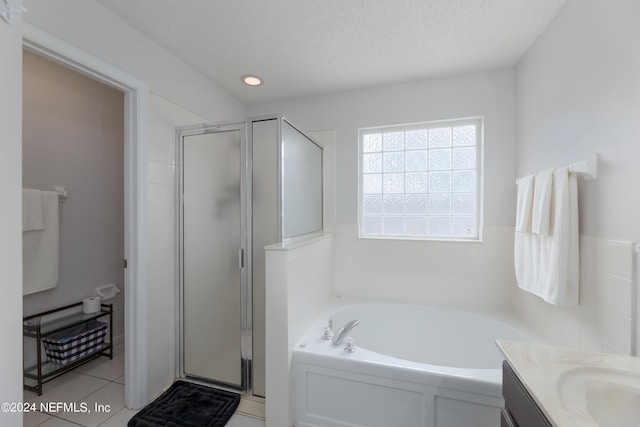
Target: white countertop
x=541, y=369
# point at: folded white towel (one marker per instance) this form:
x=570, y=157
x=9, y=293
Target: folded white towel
x=562, y=279
x=541, y=210
x=524, y=204
x=548, y=266
x=32, y=213
x=40, y=249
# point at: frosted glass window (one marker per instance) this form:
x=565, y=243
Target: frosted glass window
x=464, y=158
x=464, y=181
x=372, y=163
x=416, y=182
x=440, y=182
x=416, y=204
x=393, y=225
x=372, y=205
x=439, y=204
x=464, y=204
x=416, y=225
x=421, y=181
x=372, y=184
x=440, y=160
x=440, y=226
x=393, y=162
x=464, y=136
x=440, y=137
x=415, y=161
x=393, y=183
x=416, y=139
x=372, y=225
x=393, y=141
x=393, y=205
x=372, y=143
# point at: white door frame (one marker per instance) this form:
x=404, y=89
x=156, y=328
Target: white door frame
x=136, y=101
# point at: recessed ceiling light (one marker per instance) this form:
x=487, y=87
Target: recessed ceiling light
x=251, y=80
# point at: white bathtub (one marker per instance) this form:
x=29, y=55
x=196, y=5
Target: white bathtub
x=414, y=365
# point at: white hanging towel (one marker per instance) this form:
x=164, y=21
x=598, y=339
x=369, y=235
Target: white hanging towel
x=40, y=250
x=32, y=212
x=541, y=210
x=548, y=265
x=524, y=204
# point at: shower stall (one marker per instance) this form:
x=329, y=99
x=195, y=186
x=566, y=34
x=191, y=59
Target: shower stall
x=241, y=187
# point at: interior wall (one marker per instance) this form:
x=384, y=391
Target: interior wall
x=577, y=93
x=93, y=29
x=73, y=135
x=11, y=218
x=164, y=117
x=114, y=42
x=299, y=283
x=419, y=271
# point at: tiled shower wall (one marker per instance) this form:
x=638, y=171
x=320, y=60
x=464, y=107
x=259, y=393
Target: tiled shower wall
x=164, y=116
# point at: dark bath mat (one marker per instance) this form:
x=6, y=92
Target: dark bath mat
x=186, y=404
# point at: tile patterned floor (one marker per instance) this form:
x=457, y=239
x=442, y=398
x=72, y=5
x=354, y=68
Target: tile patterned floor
x=99, y=382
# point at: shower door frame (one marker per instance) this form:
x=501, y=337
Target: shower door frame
x=246, y=232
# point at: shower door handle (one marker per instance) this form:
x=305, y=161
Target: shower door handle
x=241, y=259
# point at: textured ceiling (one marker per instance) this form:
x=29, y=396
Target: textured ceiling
x=305, y=47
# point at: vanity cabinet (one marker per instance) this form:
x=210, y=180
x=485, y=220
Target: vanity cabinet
x=520, y=410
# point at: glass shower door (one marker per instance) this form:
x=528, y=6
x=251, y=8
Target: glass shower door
x=212, y=256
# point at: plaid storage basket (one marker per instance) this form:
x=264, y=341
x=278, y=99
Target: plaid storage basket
x=76, y=342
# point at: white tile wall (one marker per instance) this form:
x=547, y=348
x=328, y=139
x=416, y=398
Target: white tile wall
x=603, y=321
x=616, y=293
x=470, y=274
x=163, y=119
x=299, y=282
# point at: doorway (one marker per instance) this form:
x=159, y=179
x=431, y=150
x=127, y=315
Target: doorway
x=73, y=141
x=135, y=158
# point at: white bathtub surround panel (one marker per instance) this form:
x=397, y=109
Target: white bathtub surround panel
x=164, y=116
x=617, y=294
x=604, y=320
x=401, y=372
x=299, y=282
x=463, y=274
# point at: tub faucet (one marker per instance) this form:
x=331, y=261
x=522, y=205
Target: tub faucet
x=339, y=336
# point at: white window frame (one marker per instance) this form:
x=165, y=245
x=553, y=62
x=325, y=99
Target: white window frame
x=478, y=121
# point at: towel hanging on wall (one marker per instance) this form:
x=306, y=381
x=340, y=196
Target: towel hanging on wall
x=32, y=211
x=40, y=249
x=524, y=204
x=547, y=265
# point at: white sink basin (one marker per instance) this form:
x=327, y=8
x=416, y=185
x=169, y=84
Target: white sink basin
x=610, y=397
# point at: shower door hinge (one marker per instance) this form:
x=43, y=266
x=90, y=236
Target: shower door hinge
x=125, y=263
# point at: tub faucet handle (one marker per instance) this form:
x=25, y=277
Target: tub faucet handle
x=350, y=348
x=327, y=333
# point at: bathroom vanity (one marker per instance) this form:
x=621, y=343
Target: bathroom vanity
x=559, y=387
x=58, y=325
x=520, y=409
